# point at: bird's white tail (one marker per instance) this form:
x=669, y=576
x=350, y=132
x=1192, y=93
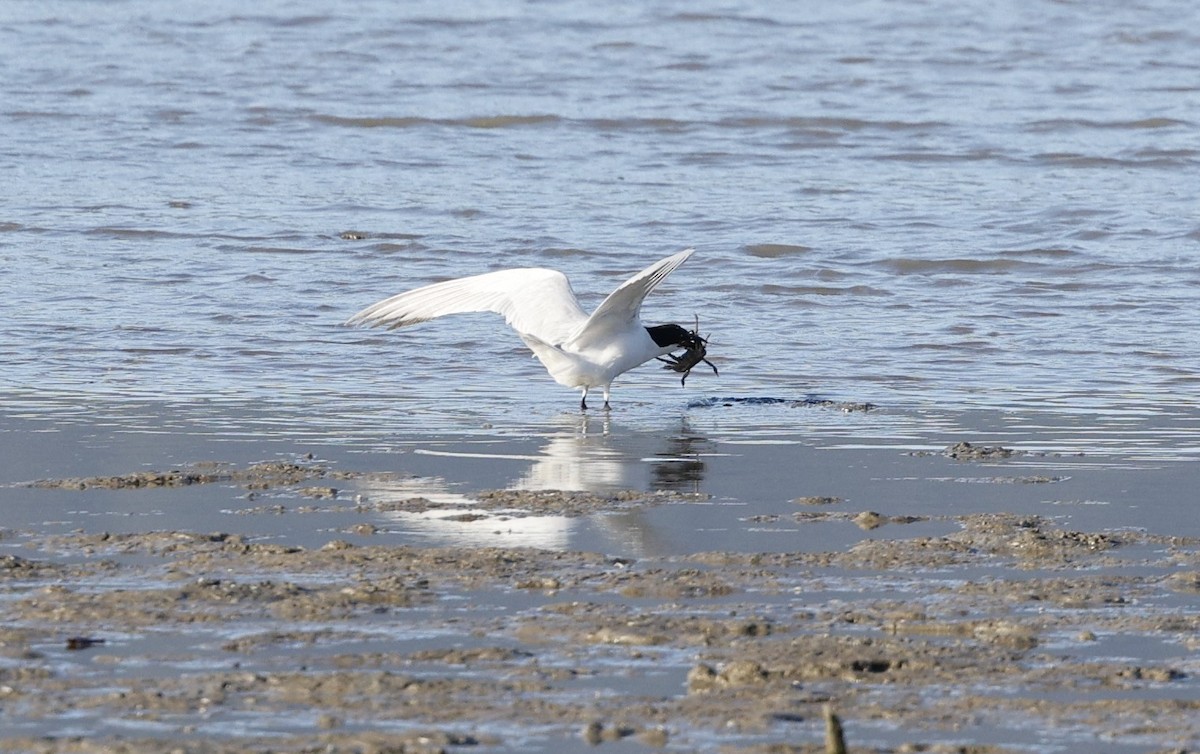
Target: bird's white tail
x=562, y=366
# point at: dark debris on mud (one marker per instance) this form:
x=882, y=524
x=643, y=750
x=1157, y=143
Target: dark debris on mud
x=965, y=451
x=728, y=402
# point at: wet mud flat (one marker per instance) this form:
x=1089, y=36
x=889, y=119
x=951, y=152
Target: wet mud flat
x=1008, y=633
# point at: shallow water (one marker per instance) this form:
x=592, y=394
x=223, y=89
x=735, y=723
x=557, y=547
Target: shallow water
x=750, y=462
x=925, y=204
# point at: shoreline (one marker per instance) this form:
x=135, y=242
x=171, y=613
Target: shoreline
x=355, y=601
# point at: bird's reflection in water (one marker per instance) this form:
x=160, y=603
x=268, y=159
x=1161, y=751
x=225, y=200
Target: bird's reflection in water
x=680, y=468
x=430, y=510
x=578, y=457
x=578, y=454
x=587, y=455
x=592, y=455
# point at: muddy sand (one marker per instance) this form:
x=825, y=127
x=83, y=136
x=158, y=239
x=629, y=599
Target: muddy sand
x=1004, y=633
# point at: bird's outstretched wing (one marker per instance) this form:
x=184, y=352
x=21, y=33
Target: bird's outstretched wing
x=534, y=301
x=622, y=307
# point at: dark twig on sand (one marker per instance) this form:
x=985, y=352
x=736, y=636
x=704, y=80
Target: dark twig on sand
x=835, y=742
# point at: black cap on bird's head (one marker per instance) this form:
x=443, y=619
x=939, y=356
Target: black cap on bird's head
x=674, y=336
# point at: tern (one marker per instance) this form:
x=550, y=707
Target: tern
x=578, y=350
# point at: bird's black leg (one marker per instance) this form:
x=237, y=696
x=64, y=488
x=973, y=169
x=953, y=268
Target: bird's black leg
x=583, y=400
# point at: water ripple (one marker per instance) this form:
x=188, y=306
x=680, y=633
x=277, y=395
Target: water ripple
x=919, y=206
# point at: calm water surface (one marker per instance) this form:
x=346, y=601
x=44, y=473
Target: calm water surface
x=929, y=206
